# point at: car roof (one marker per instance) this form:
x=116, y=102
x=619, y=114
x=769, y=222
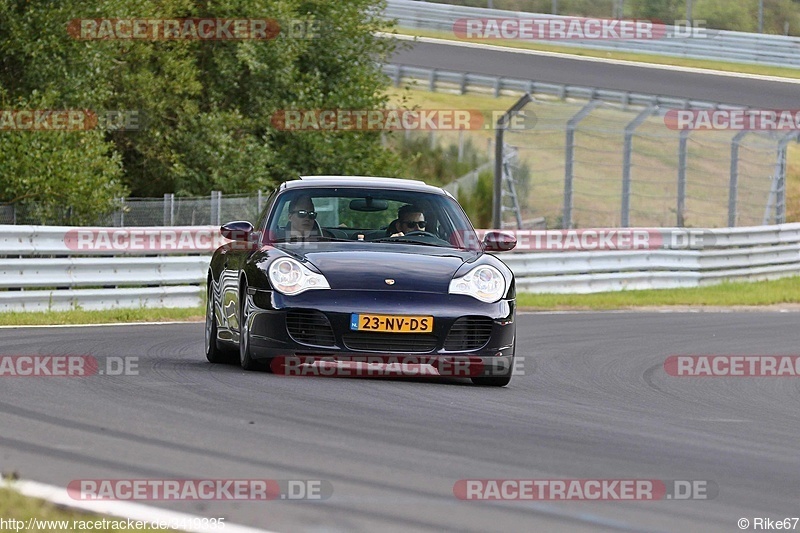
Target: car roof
x=361, y=181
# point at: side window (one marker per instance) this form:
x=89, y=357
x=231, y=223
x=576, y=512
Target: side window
x=262, y=218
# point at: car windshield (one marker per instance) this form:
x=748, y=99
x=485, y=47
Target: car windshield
x=369, y=215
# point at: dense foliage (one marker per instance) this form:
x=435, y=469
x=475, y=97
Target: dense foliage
x=203, y=106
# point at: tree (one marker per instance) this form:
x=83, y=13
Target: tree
x=204, y=105
x=666, y=11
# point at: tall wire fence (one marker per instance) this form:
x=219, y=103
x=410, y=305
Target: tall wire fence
x=577, y=163
x=599, y=164
x=170, y=210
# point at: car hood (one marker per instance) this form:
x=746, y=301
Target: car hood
x=412, y=268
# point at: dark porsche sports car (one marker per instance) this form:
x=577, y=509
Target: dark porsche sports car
x=339, y=268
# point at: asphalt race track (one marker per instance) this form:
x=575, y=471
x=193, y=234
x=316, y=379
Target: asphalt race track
x=594, y=403
x=756, y=93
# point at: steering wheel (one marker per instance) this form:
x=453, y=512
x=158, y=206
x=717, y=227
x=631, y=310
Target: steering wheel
x=420, y=233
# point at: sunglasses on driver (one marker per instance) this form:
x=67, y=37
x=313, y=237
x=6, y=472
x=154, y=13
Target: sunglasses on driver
x=414, y=224
x=302, y=213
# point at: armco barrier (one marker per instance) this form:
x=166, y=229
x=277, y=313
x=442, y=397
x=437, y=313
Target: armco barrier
x=60, y=267
x=100, y=268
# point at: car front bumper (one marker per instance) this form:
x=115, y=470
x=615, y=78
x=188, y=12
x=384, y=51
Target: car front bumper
x=271, y=337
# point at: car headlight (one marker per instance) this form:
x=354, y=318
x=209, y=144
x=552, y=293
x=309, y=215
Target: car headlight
x=291, y=277
x=485, y=283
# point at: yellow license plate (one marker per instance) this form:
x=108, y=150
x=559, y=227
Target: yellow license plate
x=391, y=323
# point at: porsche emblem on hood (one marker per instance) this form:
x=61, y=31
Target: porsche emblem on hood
x=389, y=281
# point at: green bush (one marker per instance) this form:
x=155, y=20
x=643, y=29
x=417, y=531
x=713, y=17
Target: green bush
x=478, y=203
x=438, y=165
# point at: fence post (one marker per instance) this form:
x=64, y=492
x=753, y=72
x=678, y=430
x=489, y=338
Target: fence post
x=169, y=209
x=569, y=162
x=213, y=216
x=733, y=189
x=778, y=187
x=682, y=156
x=260, y=202
x=398, y=75
x=630, y=129
x=122, y=212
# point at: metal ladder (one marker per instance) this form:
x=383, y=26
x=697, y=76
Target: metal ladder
x=509, y=190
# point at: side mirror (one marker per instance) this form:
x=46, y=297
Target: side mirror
x=497, y=241
x=239, y=231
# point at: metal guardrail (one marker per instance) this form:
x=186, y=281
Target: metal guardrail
x=463, y=82
x=716, y=45
x=61, y=267
x=732, y=254
x=46, y=271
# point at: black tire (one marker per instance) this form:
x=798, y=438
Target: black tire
x=213, y=353
x=245, y=356
x=499, y=380
x=493, y=381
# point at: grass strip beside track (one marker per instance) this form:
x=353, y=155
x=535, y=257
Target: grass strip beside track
x=14, y=505
x=783, y=293
x=79, y=316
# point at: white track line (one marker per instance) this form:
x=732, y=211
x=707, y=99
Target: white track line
x=622, y=62
x=127, y=510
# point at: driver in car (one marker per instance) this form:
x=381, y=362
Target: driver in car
x=409, y=218
x=302, y=218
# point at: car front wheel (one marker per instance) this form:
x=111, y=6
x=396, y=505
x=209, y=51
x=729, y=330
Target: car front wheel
x=497, y=379
x=213, y=353
x=245, y=355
